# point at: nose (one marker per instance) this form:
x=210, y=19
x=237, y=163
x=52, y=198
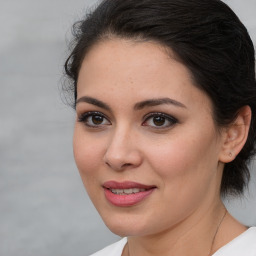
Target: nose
x=122, y=151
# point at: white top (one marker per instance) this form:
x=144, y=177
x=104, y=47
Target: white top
x=243, y=245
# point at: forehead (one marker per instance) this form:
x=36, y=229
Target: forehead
x=127, y=56
x=136, y=70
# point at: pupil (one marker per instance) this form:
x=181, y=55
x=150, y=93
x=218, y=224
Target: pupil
x=97, y=119
x=159, y=120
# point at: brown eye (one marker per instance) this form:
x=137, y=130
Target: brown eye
x=159, y=120
x=97, y=119
x=94, y=119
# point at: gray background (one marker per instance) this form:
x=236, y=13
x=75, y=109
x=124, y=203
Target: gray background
x=44, y=209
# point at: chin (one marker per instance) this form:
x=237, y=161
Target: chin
x=125, y=226
x=127, y=231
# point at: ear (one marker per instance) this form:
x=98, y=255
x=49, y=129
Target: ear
x=235, y=135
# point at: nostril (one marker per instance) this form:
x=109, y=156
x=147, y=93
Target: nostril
x=120, y=158
x=107, y=163
x=122, y=166
x=125, y=165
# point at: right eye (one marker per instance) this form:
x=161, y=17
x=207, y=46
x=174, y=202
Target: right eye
x=94, y=119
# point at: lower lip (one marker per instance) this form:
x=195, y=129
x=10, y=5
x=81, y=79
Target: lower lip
x=126, y=200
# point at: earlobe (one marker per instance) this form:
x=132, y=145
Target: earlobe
x=235, y=135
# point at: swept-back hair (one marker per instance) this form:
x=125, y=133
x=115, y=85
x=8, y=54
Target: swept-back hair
x=206, y=36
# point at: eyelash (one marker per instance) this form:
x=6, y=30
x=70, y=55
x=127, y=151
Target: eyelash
x=83, y=118
x=172, y=120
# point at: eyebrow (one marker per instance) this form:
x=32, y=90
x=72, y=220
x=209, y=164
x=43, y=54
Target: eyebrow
x=94, y=101
x=137, y=106
x=156, y=102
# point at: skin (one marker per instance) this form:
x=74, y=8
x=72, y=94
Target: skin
x=183, y=157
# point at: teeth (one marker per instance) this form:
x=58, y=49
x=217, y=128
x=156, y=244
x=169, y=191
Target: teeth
x=127, y=191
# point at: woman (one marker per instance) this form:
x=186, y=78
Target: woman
x=165, y=95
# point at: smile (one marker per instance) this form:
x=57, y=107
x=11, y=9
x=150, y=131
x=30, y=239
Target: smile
x=126, y=193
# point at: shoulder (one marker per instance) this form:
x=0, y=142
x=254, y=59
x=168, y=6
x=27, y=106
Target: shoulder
x=115, y=249
x=245, y=244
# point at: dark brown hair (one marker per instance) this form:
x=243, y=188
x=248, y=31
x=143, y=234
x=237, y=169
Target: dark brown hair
x=206, y=36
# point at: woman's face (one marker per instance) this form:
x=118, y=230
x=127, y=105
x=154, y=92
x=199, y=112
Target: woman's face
x=145, y=142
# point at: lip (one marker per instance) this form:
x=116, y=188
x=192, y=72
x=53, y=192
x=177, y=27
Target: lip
x=129, y=199
x=126, y=185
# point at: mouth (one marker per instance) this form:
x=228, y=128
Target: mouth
x=126, y=193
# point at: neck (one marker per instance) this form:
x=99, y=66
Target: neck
x=195, y=235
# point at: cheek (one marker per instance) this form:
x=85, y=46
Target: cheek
x=185, y=173
x=87, y=154
x=184, y=159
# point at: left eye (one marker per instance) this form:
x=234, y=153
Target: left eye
x=94, y=119
x=159, y=120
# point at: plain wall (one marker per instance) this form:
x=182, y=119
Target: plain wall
x=44, y=209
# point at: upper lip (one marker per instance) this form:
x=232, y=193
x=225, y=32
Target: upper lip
x=125, y=185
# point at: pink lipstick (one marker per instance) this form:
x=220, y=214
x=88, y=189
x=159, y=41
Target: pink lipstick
x=126, y=193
